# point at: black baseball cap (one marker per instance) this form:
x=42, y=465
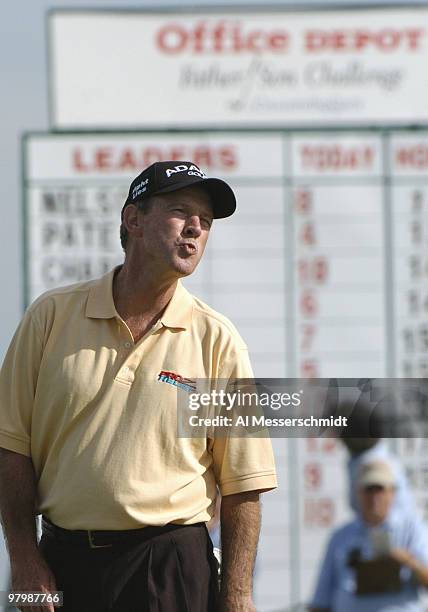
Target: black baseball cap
x=168, y=176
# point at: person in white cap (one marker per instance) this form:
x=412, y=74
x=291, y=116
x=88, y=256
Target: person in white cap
x=377, y=562
x=364, y=440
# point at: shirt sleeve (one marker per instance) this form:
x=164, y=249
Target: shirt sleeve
x=18, y=383
x=324, y=590
x=418, y=541
x=242, y=461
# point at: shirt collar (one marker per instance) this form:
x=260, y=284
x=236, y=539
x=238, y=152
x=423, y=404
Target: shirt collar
x=100, y=304
x=178, y=313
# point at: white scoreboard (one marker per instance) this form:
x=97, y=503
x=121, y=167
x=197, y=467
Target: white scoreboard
x=323, y=269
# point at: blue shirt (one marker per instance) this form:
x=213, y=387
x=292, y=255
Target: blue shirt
x=336, y=588
x=403, y=500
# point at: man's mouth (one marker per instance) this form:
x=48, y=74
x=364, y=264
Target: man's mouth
x=189, y=247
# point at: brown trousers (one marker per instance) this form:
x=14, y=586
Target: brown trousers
x=174, y=571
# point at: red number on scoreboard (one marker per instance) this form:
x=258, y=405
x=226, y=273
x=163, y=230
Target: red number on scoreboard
x=309, y=369
x=308, y=304
x=319, y=512
x=303, y=201
x=312, y=270
x=313, y=476
x=308, y=334
x=320, y=269
x=307, y=234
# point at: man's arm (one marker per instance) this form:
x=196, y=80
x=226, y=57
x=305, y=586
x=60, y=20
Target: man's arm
x=240, y=528
x=404, y=557
x=17, y=509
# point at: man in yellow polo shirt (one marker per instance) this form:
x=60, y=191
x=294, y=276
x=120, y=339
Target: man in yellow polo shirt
x=88, y=424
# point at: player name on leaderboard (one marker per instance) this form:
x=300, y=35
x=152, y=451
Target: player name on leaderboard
x=323, y=268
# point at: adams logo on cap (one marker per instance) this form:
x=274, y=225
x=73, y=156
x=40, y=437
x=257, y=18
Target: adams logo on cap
x=191, y=170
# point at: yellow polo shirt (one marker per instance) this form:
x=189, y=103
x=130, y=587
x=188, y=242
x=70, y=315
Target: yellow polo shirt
x=100, y=423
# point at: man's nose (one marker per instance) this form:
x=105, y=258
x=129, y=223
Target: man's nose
x=193, y=226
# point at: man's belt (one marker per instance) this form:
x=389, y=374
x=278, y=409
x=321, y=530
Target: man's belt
x=107, y=539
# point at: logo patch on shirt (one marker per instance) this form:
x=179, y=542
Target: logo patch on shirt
x=187, y=384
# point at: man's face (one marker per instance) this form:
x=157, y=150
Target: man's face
x=175, y=231
x=375, y=503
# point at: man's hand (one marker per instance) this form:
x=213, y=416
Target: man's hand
x=32, y=574
x=404, y=557
x=17, y=508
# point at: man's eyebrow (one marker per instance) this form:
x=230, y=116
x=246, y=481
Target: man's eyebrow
x=204, y=212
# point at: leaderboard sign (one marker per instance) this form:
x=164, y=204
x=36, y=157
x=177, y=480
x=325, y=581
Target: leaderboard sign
x=237, y=68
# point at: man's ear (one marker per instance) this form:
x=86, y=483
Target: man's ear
x=131, y=220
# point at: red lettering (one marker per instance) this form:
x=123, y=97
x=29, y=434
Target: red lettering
x=413, y=157
x=127, y=160
x=324, y=446
x=362, y=38
x=152, y=155
x=309, y=369
x=388, y=40
x=307, y=234
x=311, y=445
x=312, y=270
x=308, y=304
x=77, y=161
x=315, y=40
x=312, y=476
x=103, y=158
x=336, y=157
x=385, y=40
x=198, y=37
x=414, y=37
x=320, y=269
x=303, y=202
x=319, y=512
x=338, y=40
x=228, y=159
x=172, y=38
x=278, y=41
x=253, y=41
x=171, y=375
x=368, y=157
x=221, y=37
x=238, y=43
x=218, y=34
x=308, y=334
x=329, y=445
